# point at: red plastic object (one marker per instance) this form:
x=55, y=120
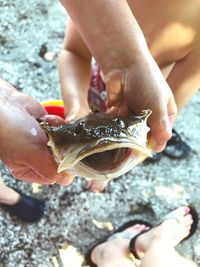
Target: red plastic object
x=55, y=110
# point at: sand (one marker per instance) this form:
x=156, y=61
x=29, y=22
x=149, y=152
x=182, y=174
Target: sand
x=76, y=217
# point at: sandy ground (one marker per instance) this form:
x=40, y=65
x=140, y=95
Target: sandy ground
x=77, y=218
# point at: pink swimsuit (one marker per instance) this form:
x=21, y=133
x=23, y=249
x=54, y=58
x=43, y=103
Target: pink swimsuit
x=97, y=92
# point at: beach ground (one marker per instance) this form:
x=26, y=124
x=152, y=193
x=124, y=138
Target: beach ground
x=76, y=217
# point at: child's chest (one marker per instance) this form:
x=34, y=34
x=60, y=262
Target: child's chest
x=170, y=27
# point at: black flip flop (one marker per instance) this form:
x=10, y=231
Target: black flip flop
x=126, y=225
x=155, y=158
x=193, y=229
x=176, y=148
x=194, y=226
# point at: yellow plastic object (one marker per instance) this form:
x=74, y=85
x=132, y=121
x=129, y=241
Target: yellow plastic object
x=53, y=102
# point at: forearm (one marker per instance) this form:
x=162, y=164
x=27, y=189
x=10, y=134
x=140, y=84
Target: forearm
x=110, y=31
x=74, y=73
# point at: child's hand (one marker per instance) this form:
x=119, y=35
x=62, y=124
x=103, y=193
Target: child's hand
x=75, y=109
x=131, y=90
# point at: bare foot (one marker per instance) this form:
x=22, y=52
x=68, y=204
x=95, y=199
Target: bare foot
x=174, y=228
x=107, y=251
x=170, y=232
x=8, y=195
x=96, y=186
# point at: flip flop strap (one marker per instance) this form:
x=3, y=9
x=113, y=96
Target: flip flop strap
x=132, y=244
x=125, y=235
x=169, y=216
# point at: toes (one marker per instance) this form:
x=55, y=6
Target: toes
x=138, y=227
x=182, y=211
x=188, y=221
x=188, y=218
x=180, y=214
x=184, y=216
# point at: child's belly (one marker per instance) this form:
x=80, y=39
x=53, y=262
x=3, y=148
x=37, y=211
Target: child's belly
x=170, y=27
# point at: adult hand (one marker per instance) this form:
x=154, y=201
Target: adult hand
x=142, y=86
x=23, y=144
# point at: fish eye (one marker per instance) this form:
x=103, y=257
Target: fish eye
x=79, y=128
x=119, y=122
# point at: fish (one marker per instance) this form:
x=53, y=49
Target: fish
x=100, y=146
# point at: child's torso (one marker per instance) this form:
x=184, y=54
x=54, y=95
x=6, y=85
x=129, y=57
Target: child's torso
x=171, y=27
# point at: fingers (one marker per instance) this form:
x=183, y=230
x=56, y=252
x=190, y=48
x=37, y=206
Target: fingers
x=24, y=173
x=46, y=167
x=115, y=82
x=172, y=110
x=160, y=133
x=67, y=180
x=161, y=122
x=38, y=167
x=23, y=101
x=120, y=110
x=28, y=175
x=35, y=109
x=52, y=120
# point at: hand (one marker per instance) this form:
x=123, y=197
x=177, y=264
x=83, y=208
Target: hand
x=23, y=144
x=140, y=87
x=75, y=108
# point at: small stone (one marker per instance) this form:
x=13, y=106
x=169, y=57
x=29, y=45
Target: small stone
x=49, y=56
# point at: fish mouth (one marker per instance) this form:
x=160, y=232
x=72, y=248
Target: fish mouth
x=83, y=149
x=107, y=160
x=103, y=156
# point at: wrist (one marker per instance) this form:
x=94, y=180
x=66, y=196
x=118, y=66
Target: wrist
x=115, y=43
x=123, y=59
x=141, y=64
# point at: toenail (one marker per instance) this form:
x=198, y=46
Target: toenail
x=187, y=209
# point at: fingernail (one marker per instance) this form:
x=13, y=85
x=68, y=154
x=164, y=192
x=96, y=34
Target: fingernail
x=187, y=209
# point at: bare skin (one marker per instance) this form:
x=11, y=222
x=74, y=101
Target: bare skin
x=173, y=39
x=120, y=49
x=156, y=247
x=8, y=195
x=23, y=144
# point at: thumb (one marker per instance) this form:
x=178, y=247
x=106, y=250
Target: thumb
x=160, y=132
x=172, y=110
x=26, y=174
x=52, y=119
x=42, y=162
x=161, y=122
